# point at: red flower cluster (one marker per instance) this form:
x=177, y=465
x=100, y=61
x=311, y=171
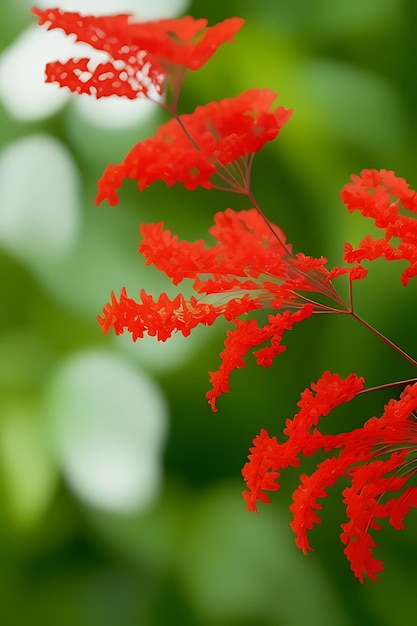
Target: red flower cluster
x=372, y=193
x=379, y=459
x=195, y=147
x=250, y=267
x=141, y=54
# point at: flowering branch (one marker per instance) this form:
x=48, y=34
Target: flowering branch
x=251, y=266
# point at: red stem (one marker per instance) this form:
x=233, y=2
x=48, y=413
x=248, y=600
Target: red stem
x=384, y=339
x=387, y=385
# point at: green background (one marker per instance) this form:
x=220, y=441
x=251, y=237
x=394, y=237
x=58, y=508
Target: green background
x=195, y=556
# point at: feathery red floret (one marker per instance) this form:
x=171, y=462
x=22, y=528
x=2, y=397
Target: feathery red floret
x=381, y=195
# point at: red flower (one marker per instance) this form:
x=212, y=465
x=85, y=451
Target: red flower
x=141, y=55
x=378, y=458
x=195, y=147
x=381, y=195
x=250, y=267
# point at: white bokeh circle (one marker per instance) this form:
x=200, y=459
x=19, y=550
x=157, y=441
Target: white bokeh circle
x=40, y=215
x=108, y=423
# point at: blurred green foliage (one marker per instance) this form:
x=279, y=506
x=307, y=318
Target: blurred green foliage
x=195, y=556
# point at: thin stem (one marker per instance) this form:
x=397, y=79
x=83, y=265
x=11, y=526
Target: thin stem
x=323, y=286
x=350, y=294
x=175, y=76
x=176, y=93
x=252, y=198
x=227, y=174
x=384, y=339
x=186, y=132
x=388, y=385
x=318, y=306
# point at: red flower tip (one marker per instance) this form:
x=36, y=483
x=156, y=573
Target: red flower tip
x=258, y=471
x=111, y=180
x=141, y=55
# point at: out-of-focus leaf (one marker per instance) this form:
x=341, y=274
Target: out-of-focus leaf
x=108, y=424
x=40, y=201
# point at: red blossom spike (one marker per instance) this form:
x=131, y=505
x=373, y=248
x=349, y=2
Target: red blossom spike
x=362, y=499
x=302, y=436
x=193, y=148
x=258, y=473
x=381, y=195
x=245, y=248
x=305, y=505
x=141, y=54
x=157, y=318
x=246, y=336
x=330, y=391
x=379, y=459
